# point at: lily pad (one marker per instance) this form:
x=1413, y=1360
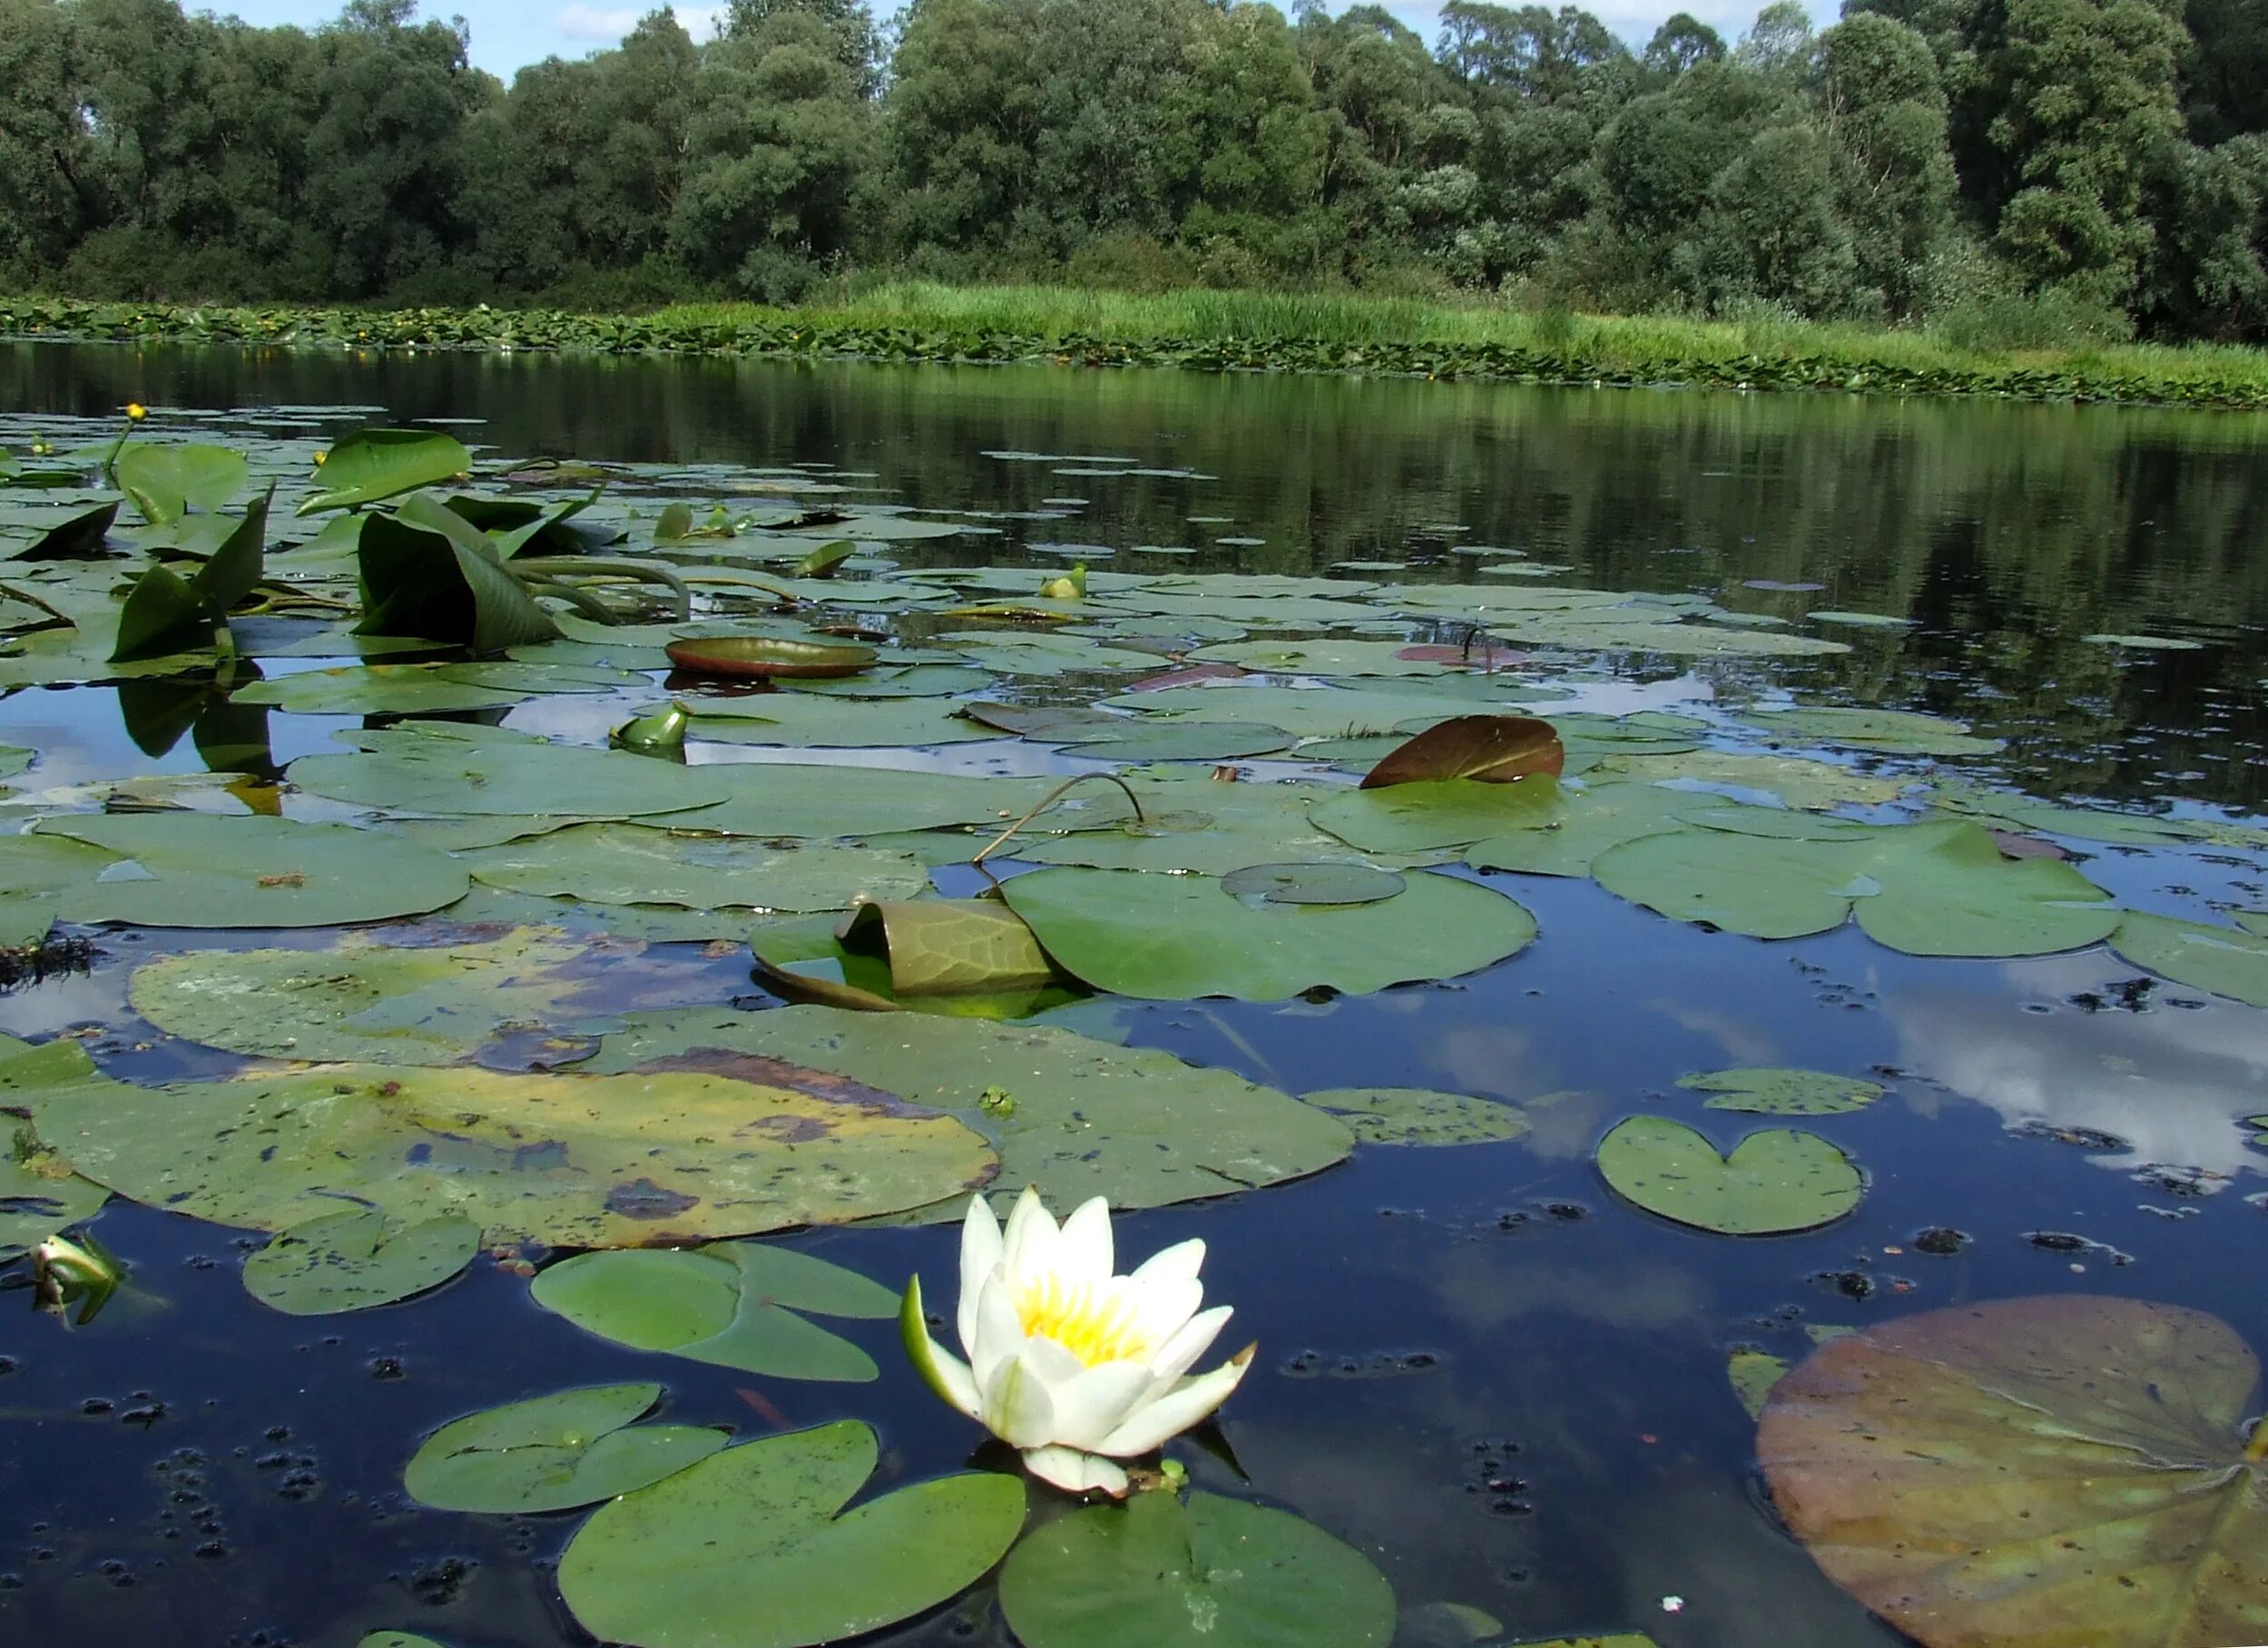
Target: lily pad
x=2147, y=644
x=1178, y=938
x=371, y=464
x=1143, y=740
x=352, y=1261
x=1893, y=731
x=1428, y=815
x=1766, y=1091
x=36, y=871
x=186, y=869
x=642, y=864
x=398, y=1639
x=812, y=721
x=448, y=773
x=751, y=1548
x=948, y=947
x=734, y=1304
x=427, y=572
x=1411, y=1115
x=1156, y=1571
x=554, y=1453
x=165, y=482
x=1313, y=883
x=572, y=1161
x=1138, y=1126
x=1776, y=1181
x=1753, y=1373
x=402, y=688
x=2029, y=1471
x=2223, y=960
x=763, y=657
x=1489, y=749
x=1565, y=839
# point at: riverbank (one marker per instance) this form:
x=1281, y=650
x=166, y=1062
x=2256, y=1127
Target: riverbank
x=1233, y=331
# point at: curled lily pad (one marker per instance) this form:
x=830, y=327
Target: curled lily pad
x=1178, y=938
x=352, y=1261
x=573, y=1161
x=1778, y=1092
x=427, y=572
x=752, y=1547
x=554, y=1453
x=737, y=1304
x=2032, y=1471
x=1489, y=749
x=1312, y=883
x=1777, y=1181
x=949, y=947
x=183, y=869
x=1156, y=1571
x=1411, y=1115
x=397, y=1639
x=166, y=481
x=763, y=657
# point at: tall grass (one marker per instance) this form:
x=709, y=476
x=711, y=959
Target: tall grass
x=1613, y=343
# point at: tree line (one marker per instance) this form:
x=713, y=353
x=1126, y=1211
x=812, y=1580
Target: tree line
x=2030, y=170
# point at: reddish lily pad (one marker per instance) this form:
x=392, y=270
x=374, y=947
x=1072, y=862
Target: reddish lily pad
x=766, y=658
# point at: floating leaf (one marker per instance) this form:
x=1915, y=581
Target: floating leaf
x=1487, y=749
x=1861, y=621
x=751, y=1548
x=766, y=657
x=373, y=463
x=1775, y=1092
x=2032, y=1472
x=822, y=562
x=572, y=1161
x=2223, y=960
x=1564, y=840
x=1192, y=742
x=77, y=534
x=2147, y=644
x=641, y=864
x=1753, y=1373
x=1156, y=1572
x=1312, y=883
x=165, y=612
x=208, y=870
x=1429, y=814
x=554, y=1453
x=165, y=482
x=1894, y=731
x=351, y=1262
x=1776, y=1181
x=949, y=947
x=446, y=772
x=397, y=1639
x=1411, y=1115
x=35, y=872
x=1136, y=1127
x=1178, y=938
x=732, y=1303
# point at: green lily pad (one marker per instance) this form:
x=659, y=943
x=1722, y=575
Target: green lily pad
x=777, y=799
x=1861, y=621
x=373, y=463
x=554, y=1453
x=184, y=869
x=446, y=772
x=1893, y=731
x=642, y=864
x=1327, y=656
x=165, y=612
x=1138, y=1126
x=398, y=1639
x=812, y=721
x=397, y=689
x=36, y=871
x=571, y=1160
x=165, y=482
x=1189, y=824
x=1312, y=883
x=40, y=1196
x=1156, y=1571
x=1432, y=814
x=1793, y=781
x=1777, y=1092
x=1753, y=1373
x=1178, y=938
x=734, y=1304
x=1565, y=840
x=351, y=1262
x=1776, y=1181
x=948, y=947
x=2223, y=960
x=2030, y=1470
x=1189, y=741
x=1411, y=1115
x=2145, y=644
x=751, y=1548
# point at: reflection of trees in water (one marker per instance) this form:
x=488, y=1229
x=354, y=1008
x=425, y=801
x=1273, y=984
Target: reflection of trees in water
x=2009, y=531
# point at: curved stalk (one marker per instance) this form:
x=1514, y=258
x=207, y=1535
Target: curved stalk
x=553, y=570
x=1049, y=799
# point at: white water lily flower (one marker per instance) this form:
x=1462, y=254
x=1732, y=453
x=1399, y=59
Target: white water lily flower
x=1075, y=1366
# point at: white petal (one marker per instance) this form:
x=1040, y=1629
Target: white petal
x=1171, y=1415
x=939, y=1369
x=981, y=1252
x=1074, y=1472
x=1054, y=1364
x=1184, y=1259
x=1028, y=1245
x=1179, y=1354
x=999, y=1330
x=1164, y=1308
x=1017, y=1407
x=1096, y=1400
x=1083, y=1252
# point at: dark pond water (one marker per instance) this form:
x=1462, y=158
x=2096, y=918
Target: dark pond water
x=1476, y=1364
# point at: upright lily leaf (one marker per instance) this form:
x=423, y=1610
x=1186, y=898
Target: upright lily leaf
x=1776, y=1181
x=822, y=562
x=81, y=534
x=165, y=612
x=949, y=947
x=352, y=1261
x=548, y=527
x=751, y=1548
x=554, y=1453
x=2031, y=1472
x=1156, y=1573
x=1494, y=748
x=427, y=572
x=373, y=463
x=165, y=482
x=732, y=1303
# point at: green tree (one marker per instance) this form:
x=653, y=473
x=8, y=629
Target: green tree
x=1681, y=45
x=962, y=121
x=1885, y=106
x=2224, y=69
x=1245, y=145
x=46, y=208
x=849, y=27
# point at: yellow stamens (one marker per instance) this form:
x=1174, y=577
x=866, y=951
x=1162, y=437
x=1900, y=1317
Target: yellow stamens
x=1096, y=1325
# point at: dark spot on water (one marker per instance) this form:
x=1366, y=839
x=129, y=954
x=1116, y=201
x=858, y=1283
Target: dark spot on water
x=386, y=1367
x=2083, y=1138
x=97, y=1404
x=441, y=1582
x=644, y=1199
x=1940, y=1241
x=2058, y=1241
x=1850, y=1284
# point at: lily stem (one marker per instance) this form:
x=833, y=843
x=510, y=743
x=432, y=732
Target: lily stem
x=1049, y=799
x=556, y=569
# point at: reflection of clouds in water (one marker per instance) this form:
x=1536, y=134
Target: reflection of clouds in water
x=34, y=1011
x=1630, y=697
x=1485, y=1288
x=1743, y=1042
x=2171, y=1082
x=1500, y=1061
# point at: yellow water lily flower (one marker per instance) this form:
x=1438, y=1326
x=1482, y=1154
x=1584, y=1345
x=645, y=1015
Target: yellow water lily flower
x=136, y=410
x=1072, y=1365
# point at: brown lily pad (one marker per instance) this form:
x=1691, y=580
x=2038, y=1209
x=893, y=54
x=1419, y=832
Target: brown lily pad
x=1492, y=749
x=765, y=658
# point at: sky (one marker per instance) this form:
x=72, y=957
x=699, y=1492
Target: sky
x=507, y=34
